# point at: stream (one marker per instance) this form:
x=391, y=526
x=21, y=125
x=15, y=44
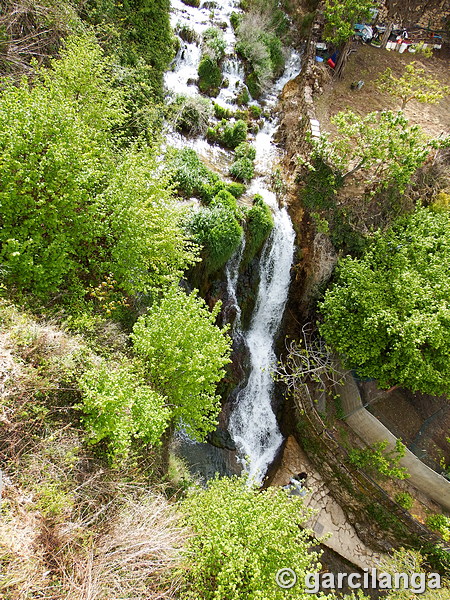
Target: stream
x=252, y=423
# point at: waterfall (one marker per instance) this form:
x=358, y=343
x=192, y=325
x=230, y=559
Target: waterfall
x=252, y=423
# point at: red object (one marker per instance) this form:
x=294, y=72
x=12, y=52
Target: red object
x=331, y=63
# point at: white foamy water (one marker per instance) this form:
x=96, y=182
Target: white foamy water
x=252, y=425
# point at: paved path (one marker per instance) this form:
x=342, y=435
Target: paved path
x=329, y=518
x=369, y=428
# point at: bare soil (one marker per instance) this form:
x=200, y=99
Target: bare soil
x=367, y=64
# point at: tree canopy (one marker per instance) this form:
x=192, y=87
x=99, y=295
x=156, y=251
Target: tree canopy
x=388, y=313
x=340, y=17
x=413, y=84
x=381, y=145
x=243, y=537
x=184, y=353
x=73, y=208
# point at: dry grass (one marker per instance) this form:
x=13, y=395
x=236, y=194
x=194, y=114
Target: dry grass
x=71, y=528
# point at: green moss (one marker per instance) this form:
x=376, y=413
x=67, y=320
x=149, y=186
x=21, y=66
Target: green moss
x=227, y=134
x=194, y=3
x=210, y=76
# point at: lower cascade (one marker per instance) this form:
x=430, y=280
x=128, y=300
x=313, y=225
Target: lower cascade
x=252, y=422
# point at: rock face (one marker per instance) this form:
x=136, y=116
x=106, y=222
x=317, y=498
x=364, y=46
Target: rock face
x=330, y=519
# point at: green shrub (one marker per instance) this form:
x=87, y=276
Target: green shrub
x=222, y=113
x=439, y=523
x=237, y=189
x=227, y=200
x=259, y=226
x=242, y=538
x=376, y=460
x=227, y=134
x=214, y=44
x=120, y=408
x=243, y=97
x=405, y=500
x=255, y=111
x=235, y=19
x=191, y=114
x=193, y=3
x=190, y=174
x=218, y=231
x=210, y=76
x=243, y=166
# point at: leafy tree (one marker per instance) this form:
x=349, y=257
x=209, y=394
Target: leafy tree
x=340, y=17
x=120, y=408
x=380, y=145
x=387, y=313
x=243, y=537
x=72, y=211
x=413, y=84
x=184, y=353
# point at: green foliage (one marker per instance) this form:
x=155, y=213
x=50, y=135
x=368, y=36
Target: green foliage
x=71, y=210
x=120, y=408
x=187, y=34
x=376, y=460
x=214, y=44
x=387, y=312
x=413, y=84
x=222, y=113
x=193, y=178
x=260, y=45
x=405, y=500
x=135, y=30
x=228, y=134
x=194, y=3
x=243, y=96
x=439, y=523
x=189, y=173
x=184, y=354
x=243, y=536
x=243, y=167
x=340, y=17
x=191, y=114
x=226, y=200
x=382, y=146
x=218, y=231
x=209, y=76
x=259, y=226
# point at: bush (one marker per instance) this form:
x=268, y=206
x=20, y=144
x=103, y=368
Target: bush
x=189, y=173
x=187, y=34
x=376, y=460
x=259, y=226
x=218, y=231
x=227, y=200
x=439, y=523
x=210, y=76
x=192, y=114
x=405, y=500
x=193, y=3
x=214, y=44
x=227, y=134
x=243, y=167
x=242, y=537
x=222, y=113
x=120, y=408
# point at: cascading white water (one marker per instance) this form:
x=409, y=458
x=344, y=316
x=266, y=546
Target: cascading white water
x=252, y=423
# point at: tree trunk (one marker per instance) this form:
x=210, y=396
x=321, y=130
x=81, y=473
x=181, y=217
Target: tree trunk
x=342, y=59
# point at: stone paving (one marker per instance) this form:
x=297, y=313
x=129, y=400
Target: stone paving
x=329, y=518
